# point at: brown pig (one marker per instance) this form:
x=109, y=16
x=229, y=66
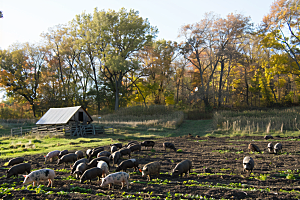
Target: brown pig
x=18, y=169
x=182, y=167
x=15, y=161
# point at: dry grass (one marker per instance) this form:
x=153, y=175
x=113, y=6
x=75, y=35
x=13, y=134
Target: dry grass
x=273, y=120
x=152, y=116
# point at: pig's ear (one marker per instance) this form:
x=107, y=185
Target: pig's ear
x=25, y=176
x=140, y=170
x=44, y=156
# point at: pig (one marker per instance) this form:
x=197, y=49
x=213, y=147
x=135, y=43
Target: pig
x=135, y=147
x=71, y=157
x=113, y=149
x=91, y=174
x=169, y=145
x=118, y=177
x=103, y=153
x=125, y=151
x=115, y=157
x=182, y=167
x=18, y=169
x=248, y=164
x=83, y=160
x=150, y=169
x=80, y=169
x=39, y=175
x=268, y=137
x=15, y=161
x=94, y=162
x=103, y=165
x=270, y=147
x=95, y=152
x=51, y=155
x=79, y=154
x=148, y=143
x=118, y=145
x=62, y=153
x=253, y=148
x=131, y=163
x=88, y=153
x=132, y=143
x=277, y=148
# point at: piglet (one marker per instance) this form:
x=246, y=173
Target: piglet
x=149, y=169
x=125, y=151
x=118, y=145
x=79, y=154
x=130, y=163
x=18, y=169
x=15, y=161
x=118, y=177
x=94, y=162
x=115, y=157
x=135, y=147
x=51, y=155
x=277, y=148
x=103, y=153
x=169, y=145
x=39, y=175
x=113, y=148
x=182, y=167
x=91, y=174
x=103, y=165
x=148, y=143
x=80, y=169
x=82, y=160
x=71, y=157
x=62, y=153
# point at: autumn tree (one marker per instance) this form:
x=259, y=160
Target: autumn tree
x=21, y=71
x=282, y=24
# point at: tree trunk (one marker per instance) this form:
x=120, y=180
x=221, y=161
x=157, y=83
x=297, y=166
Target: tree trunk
x=220, y=83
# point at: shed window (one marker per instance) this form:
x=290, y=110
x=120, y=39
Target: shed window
x=80, y=116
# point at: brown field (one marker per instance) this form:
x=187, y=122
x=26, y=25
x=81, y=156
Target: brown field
x=274, y=176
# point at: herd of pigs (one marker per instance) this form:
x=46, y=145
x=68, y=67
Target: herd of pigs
x=91, y=167
x=97, y=164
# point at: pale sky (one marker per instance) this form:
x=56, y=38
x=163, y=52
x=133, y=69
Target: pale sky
x=24, y=20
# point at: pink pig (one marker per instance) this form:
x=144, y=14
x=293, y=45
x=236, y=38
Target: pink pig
x=39, y=175
x=118, y=177
x=51, y=155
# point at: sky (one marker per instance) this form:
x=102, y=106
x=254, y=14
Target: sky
x=24, y=21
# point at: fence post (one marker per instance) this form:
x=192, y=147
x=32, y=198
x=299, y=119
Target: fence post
x=21, y=130
x=11, y=132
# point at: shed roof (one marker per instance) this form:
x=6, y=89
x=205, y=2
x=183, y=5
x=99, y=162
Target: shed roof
x=59, y=115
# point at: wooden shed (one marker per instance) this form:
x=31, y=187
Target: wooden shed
x=74, y=120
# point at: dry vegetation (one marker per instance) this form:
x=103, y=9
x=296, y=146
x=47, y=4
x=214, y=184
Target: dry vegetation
x=152, y=116
x=258, y=121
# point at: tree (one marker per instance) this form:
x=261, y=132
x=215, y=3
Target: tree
x=21, y=71
x=282, y=24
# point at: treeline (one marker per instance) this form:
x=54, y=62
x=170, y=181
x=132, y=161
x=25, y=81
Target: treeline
x=111, y=59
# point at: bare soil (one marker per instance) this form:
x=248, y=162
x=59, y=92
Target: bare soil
x=274, y=176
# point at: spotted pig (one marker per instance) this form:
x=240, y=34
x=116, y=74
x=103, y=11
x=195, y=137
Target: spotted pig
x=39, y=175
x=118, y=177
